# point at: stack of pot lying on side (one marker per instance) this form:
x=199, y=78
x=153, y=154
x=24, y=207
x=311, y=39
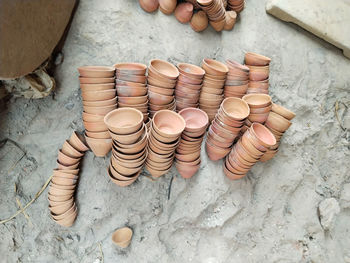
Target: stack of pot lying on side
x=99, y=98
x=187, y=157
x=188, y=86
x=162, y=77
x=65, y=179
x=129, y=134
x=237, y=80
x=259, y=71
x=278, y=122
x=164, y=137
x=226, y=127
x=131, y=87
x=212, y=90
x=215, y=11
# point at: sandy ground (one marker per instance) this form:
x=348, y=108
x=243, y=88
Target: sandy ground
x=271, y=215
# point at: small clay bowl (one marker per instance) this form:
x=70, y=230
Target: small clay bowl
x=128, y=156
x=114, y=174
x=139, y=143
x=289, y=115
x=69, y=220
x=72, y=174
x=210, y=102
x=123, y=183
x=141, y=105
x=196, y=134
x=95, y=126
x=263, y=110
x=214, y=67
x=186, y=171
x=67, y=167
x=250, y=147
x=260, y=117
x=78, y=142
x=62, y=187
x=164, y=68
x=196, y=119
x=69, y=150
x=255, y=59
x=257, y=100
x=187, y=90
x=100, y=147
x=132, y=163
x=231, y=175
x=132, y=78
x=156, y=173
x=62, y=208
x=65, y=214
x=255, y=141
x=123, y=83
x=160, y=144
x=99, y=110
x=154, y=148
x=101, y=103
x=84, y=80
x=58, y=180
x=133, y=148
x=57, y=191
x=159, y=99
x=154, y=107
x=92, y=117
x=162, y=91
x=100, y=95
x=235, y=108
x=59, y=203
x=159, y=83
x=168, y=123
x=258, y=73
x=209, y=90
x=160, y=158
x=184, y=12
x=131, y=68
x=128, y=138
x=129, y=91
x=120, y=168
x=190, y=70
x=167, y=6
x=96, y=71
x=222, y=131
x=243, y=153
x=215, y=153
x=258, y=85
x=263, y=134
x=149, y=5
x=133, y=100
x=96, y=87
x=185, y=151
x=67, y=160
x=278, y=122
x=124, y=120
x=98, y=135
x=189, y=86
x=184, y=95
x=188, y=157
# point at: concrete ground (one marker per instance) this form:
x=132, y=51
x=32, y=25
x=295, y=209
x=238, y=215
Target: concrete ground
x=269, y=216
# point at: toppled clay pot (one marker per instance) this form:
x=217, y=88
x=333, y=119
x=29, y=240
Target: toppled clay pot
x=199, y=21
x=183, y=12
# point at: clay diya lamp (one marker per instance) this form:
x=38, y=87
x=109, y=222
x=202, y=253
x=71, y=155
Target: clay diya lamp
x=100, y=147
x=149, y=5
x=183, y=12
x=199, y=21
x=96, y=71
x=164, y=68
x=124, y=120
x=96, y=87
x=278, y=122
x=255, y=59
x=289, y=115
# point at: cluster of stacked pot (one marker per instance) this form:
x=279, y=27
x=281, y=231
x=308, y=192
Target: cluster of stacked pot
x=99, y=98
x=131, y=87
x=163, y=138
x=129, y=135
x=260, y=106
x=259, y=70
x=225, y=128
x=278, y=122
x=237, y=80
x=213, y=11
x=162, y=77
x=188, y=86
x=187, y=157
x=211, y=94
x=63, y=183
x=248, y=150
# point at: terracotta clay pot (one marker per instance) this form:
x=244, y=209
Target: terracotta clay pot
x=199, y=21
x=186, y=171
x=278, y=122
x=289, y=115
x=100, y=95
x=69, y=150
x=96, y=87
x=84, y=80
x=167, y=6
x=100, y=147
x=124, y=120
x=78, y=142
x=255, y=59
x=149, y=5
x=183, y=12
x=168, y=123
x=257, y=100
x=164, y=68
x=132, y=68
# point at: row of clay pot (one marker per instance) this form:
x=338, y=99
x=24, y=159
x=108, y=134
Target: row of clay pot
x=99, y=97
x=164, y=136
x=162, y=78
x=129, y=135
x=278, y=122
x=131, y=87
x=188, y=86
x=212, y=10
x=237, y=80
x=248, y=150
x=226, y=127
x=65, y=179
x=187, y=157
x=211, y=94
x=259, y=71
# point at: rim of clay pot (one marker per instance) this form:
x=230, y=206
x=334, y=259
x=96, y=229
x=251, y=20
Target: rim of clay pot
x=284, y=112
x=128, y=138
x=164, y=68
x=131, y=68
x=263, y=134
x=259, y=60
x=257, y=100
x=191, y=70
x=166, y=127
x=130, y=126
x=195, y=119
x=96, y=71
x=235, y=108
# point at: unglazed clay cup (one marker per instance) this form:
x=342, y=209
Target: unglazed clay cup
x=235, y=108
x=100, y=147
x=255, y=59
x=214, y=67
x=124, y=120
x=69, y=150
x=257, y=100
x=129, y=138
x=168, y=123
x=164, y=68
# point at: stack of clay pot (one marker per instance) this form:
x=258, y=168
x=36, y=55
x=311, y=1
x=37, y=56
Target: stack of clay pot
x=187, y=157
x=278, y=122
x=65, y=179
x=260, y=106
x=212, y=90
x=188, y=86
x=248, y=151
x=131, y=87
x=226, y=127
x=237, y=80
x=99, y=98
x=164, y=137
x=215, y=11
x=235, y=5
x=129, y=134
x=258, y=73
x=162, y=77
